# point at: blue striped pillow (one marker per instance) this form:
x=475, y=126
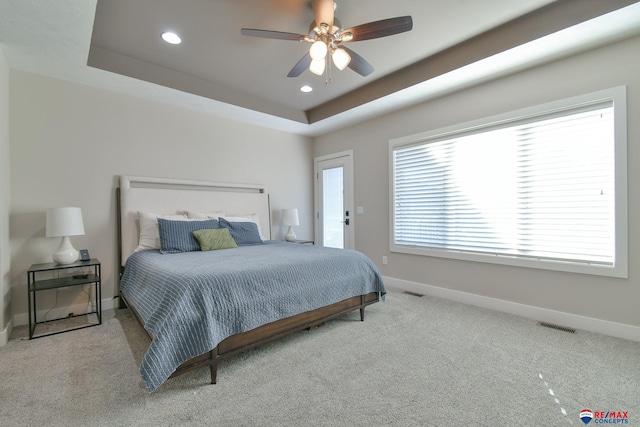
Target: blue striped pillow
x=177, y=236
x=244, y=233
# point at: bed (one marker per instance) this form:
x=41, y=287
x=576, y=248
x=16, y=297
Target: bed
x=201, y=302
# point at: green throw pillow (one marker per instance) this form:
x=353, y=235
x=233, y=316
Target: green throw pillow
x=214, y=239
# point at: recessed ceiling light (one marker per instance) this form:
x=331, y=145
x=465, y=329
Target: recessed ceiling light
x=171, y=38
x=306, y=88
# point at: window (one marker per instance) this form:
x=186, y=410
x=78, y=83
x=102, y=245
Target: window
x=543, y=187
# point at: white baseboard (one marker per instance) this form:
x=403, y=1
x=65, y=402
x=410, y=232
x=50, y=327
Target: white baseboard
x=605, y=327
x=23, y=318
x=5, y=334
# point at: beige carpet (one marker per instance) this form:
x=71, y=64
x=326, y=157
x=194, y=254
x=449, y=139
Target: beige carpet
x=415, y=361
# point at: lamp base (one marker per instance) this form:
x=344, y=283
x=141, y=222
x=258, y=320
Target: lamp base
x=290, y=236
x=66, y=253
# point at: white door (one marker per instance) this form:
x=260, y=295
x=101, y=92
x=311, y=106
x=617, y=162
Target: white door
x=334, y=200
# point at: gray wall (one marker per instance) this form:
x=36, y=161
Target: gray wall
x=608, y=299
x=5, y=257
x=70, y=142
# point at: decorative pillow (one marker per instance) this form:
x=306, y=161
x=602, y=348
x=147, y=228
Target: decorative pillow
x=204, y=215
x=244, y=233
x=214, y=239
x=149, y=237
x=177, y=236
x=246, y=218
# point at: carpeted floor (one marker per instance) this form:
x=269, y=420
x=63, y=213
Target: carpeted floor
x=414, y=361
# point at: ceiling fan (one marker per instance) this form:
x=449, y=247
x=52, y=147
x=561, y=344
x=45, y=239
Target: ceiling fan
x=327, y=36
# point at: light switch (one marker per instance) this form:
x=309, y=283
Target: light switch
x=360, y=210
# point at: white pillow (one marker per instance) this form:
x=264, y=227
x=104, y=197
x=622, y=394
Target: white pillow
x=246, y=218
x=149, y=233
x=205, y=215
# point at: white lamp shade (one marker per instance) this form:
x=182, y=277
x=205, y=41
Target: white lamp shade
x=317, y=66
x=62, y=222
x=318, y=50
x=340, y=58
x=290, y=217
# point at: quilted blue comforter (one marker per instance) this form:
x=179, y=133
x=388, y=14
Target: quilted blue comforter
x=192, y=301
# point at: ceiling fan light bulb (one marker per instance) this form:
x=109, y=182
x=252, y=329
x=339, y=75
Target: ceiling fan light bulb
x=340, y=58
x=317, y=66
x=318, y=50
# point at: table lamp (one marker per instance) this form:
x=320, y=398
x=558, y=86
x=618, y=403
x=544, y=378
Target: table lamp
x=290, y=218
x=65, y=222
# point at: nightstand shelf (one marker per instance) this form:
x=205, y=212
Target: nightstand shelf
x=36, y=285
x=302, y=242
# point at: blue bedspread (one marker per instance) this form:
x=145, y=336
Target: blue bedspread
x=192, y=301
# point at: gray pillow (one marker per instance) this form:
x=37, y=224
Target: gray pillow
x=177, y=236
x=244, y=233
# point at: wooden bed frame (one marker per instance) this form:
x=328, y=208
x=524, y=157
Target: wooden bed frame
x=272, y=331
x=247, y=340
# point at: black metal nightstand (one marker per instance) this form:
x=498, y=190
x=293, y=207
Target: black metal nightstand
x=72, y=279
x=302, y=242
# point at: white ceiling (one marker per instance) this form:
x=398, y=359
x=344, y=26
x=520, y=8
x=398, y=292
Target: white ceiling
x=454, y=43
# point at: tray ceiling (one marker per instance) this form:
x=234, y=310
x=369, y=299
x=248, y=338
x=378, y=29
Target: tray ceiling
x=116, y=44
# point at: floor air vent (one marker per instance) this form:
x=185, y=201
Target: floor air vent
x=559, y=328
x=415, y=294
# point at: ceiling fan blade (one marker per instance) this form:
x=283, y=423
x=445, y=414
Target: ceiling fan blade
x=323, y=12
x=358, y=63
x=383, y=28
x=268, y=34
x=301, y=66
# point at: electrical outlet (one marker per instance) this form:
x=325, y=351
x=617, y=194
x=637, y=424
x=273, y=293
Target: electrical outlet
x=384, y=260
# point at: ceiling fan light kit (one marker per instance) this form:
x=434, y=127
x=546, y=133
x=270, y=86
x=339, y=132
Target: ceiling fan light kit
x=326, y=35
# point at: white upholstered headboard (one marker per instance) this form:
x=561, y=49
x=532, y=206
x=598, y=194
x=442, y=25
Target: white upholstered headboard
x=169, y=196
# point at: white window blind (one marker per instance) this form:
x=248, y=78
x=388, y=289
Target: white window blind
x=538, y=188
